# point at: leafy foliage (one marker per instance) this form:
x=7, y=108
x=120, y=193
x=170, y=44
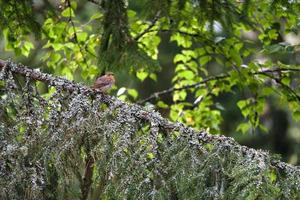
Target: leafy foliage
x=15, y=33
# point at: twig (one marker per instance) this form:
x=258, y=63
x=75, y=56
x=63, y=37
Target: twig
x=293, y=92
x=176, y=30
x=218, y=77
x=75, y=34
x=147, y=30
x=172, y=89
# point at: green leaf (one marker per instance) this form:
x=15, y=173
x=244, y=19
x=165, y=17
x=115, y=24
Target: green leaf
x=193, y=66
x=296, y=115
x=131, y=13
x=73, y=30
x=122, y=97
x=27, y=46
x=181, y=95
x=189, y=53
x=272, y=176
x=150, y=155
x=273, y=34
x=162, y=104
x=55, y=57
x=57, y=46
x=267, y=91
x=180, y=58
x=74, y=5
x=187, y=74
x=68, y=73
x=238, y=46
x=97, y=15
x=142, y=75
x=93, y=70
x=244, y=127
x=244, y=106
x=176, y=97
x=253, y=66
x=153, y=76
x=234, y=54
x=184, y=41
x=261, y=36
x=204, y=59
x=242, y=103
x=82, y=36
x=286, y=80
x=70, y=45
x=200, y=51
x=68, y=12
x=133, y=93
x=274, y=48
x=263, y=128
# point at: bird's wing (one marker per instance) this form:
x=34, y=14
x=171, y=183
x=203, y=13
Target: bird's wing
x=102, y=82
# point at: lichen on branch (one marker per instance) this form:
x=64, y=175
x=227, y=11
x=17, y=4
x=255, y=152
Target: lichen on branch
x=78, y=144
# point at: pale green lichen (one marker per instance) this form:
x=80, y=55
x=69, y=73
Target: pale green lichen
x=49, y=147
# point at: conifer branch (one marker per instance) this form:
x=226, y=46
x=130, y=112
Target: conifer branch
x=163, y=124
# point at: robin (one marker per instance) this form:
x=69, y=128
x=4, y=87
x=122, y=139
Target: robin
x=105, y=82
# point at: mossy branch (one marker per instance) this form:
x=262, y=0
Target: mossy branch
x=140, y=113
x=117, y=133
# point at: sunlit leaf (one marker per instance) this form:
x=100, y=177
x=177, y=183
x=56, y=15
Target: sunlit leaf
x=133, y=93
x=68, y=12
x=121, y=91
x=161, y=104
x=142, y=75
x=244, y=127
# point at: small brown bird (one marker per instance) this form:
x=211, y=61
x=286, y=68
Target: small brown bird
x=105, y=82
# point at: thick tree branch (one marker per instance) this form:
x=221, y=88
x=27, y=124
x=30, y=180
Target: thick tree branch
x=154, y=117
x=35, y=74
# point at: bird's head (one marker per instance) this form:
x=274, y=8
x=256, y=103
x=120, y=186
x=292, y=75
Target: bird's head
x=109, y=73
